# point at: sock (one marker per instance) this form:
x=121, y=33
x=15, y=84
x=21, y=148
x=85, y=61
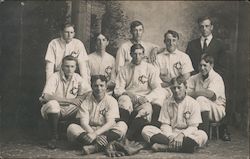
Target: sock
x=111, y=136
x=188, y=145
x=81, y=139
x=205, y=122
x=135, y=129
x=53, y=119
x=155, y=115
x=124, y=115
x=160, y=139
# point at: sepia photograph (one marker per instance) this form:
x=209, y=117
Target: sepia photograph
x=129, y=79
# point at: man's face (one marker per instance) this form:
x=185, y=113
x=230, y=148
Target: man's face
x=99, y=88
x=206, y=27
x=179, y=91
x=137, y=32
x=205, y=67
x=171, y=42
x=137, y=56
x=68, y=34
x=101, y=42
x=69, y=67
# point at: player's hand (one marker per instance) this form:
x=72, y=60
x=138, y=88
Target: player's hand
x=153, y=54
x=178, y=141
x=164, y=77
x=142, y=100
x=91, y=137
x=76, y=101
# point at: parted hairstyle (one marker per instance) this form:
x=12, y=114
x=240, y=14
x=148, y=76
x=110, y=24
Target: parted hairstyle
x=172, y=32
x=69, y=58
x=201, y=19
x=136, y=46
x=208, y=58
x=94, y=78
x=134, y=24
x=66, y=25
x=107, y=36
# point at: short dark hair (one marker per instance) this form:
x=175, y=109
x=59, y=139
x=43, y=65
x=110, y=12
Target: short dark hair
x=107, y=36
x=94, y=78
x=69, y=58
x=66, y=25
x=172, y=32
x=136, y=46
x=207, y=58
x=201, y=19
x=134, y=24
x=179, y=82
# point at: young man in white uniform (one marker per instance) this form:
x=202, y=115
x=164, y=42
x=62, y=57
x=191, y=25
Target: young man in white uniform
x=171, y=62
x=62, y=96
x=63, y=46
x=207, y=87
x=123, y=54
x=138, y=90
x=102, y=63
x=179, y=117
x=97, y=114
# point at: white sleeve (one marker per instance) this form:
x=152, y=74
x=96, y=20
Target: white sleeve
x=50, y=54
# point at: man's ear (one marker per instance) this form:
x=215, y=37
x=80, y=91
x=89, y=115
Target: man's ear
x=212, y=27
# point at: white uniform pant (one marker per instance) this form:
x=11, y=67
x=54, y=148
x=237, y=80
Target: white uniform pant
x=216, y=112
x=199, y=136
x=74, y=130
x=53, y=106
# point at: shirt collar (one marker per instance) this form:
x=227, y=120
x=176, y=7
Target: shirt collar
x=172, y=102
x=165, y=52
x=209, y=38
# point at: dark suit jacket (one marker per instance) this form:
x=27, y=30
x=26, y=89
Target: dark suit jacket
x=216, y=48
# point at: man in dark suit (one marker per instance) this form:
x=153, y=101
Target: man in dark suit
x=207, y=44
x=214, y=47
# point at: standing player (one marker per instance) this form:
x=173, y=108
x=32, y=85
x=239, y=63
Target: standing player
x=102, y=63
x=123, y=54
x=63, y=46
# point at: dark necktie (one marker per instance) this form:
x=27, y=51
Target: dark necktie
x=204, y=45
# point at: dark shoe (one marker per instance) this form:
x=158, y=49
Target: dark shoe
x=226, y=137
x=189, y=145
x=89, y=149
x=159, y=147
x=52, y=144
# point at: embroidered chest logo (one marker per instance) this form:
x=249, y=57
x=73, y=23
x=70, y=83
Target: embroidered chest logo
x=108, y=71
x=178, y=66
x=103, y=112
x=142, y=79
x=74, y=90
x=187, y=115
x=74, y=54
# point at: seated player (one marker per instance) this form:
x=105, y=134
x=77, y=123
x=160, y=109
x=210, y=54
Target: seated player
x=138, y=90
x=97, y=117
x=62, y=96
x=207, y=87
x=179, y=117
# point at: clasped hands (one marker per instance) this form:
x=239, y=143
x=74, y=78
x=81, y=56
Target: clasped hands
x=175, y=142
